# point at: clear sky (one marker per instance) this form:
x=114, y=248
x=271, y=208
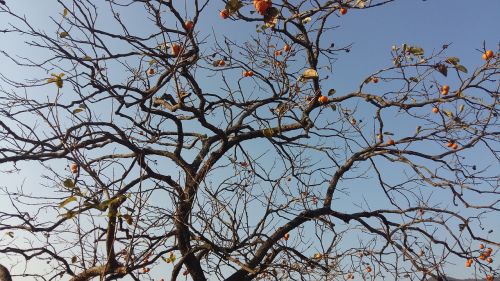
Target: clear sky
x=464, y=24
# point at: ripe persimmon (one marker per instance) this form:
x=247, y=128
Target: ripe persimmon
x=287, y=48
x=488, y=55
x=176, y=49
x=375, y=80
x=189, y=25
x=490, y=278
x=445, y=89
x=454, y=146
x=151, y=71
x=343, y=11
x=74, y=168
x=286, y=237
x=277, y=53
x=323, y=99
x=481, y=246
x=489, y=260
x=261, y=6
x=368, y=269
x=482, y=257
x=435, y=110
x=224, y=14
x=221, y=63
x=390, y=142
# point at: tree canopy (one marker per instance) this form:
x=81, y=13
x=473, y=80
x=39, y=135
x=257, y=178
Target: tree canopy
x=235, y=157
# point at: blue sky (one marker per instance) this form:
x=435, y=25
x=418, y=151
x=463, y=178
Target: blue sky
x=429, y=24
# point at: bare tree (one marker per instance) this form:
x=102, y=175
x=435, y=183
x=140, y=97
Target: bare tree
x=235, y=160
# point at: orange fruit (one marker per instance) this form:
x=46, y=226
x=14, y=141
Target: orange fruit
x=445, y=89
x=490, y=278
x=489, y=250
x=375, y=80
x=250, y=73
x=277, y=53
x=221, y=63
x=74, y=168
x=287, y=236
x=323, y=99
x=287, y=48
x=489, y=260
x=261, y=6
x=390, y=142
x=176, y=49
x=449, y=144
x=151, y=71
x=484, y=56
x=368, y=269
x=435, y=110
x=189, y=25
x=224, y=14
x=481, y=246
x=454, y=146
x=343, y=11
x=482, y=257
x=489, y=54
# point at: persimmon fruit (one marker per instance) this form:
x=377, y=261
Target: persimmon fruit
x=224, y=14
x=74, y=168
x=176, y=49
x=189, y=25
x=323, y=99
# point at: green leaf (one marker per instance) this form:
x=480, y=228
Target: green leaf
x=233, y=5
x=461, y=68
x=81, y=105
x=68, y=183
x=78, y=110
x=448, y=113
x=331, y=92
x=452, y=60
x=417, y=51
x=67, y=201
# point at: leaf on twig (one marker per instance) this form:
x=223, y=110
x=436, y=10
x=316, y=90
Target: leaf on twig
x=67, y=201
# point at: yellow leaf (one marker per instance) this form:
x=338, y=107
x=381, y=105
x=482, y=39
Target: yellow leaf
x=310, y=74
x=67, y=201
x=87, y=58
x=63, y=34
x=65, y=12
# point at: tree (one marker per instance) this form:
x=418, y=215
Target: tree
x=235, y=159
